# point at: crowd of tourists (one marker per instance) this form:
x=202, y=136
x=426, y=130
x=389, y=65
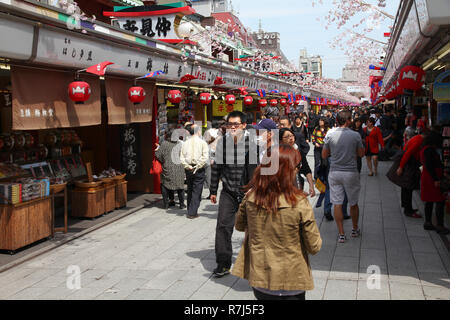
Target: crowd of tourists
x=263, y=170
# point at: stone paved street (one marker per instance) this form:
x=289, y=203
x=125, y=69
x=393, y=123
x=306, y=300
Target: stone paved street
x=154, y=254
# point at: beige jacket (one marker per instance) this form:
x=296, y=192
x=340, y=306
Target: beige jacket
x=274, y=254
x=194, y=153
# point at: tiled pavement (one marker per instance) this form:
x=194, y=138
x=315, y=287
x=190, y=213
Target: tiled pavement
x=154, y=254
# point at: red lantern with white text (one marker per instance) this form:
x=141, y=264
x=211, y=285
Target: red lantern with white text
x=136, y=94
x=273, y=102
x=205, y=98
x=411, y=78
x=262, y=103
x=174, y=96
x=230, y=99
x=297, y=102
x=79, y=91
x=283, y=102
x=248, y=100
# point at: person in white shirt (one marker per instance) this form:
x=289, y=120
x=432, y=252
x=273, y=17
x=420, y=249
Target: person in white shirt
x=194, y=157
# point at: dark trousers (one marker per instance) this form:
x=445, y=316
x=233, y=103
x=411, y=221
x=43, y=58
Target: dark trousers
x=406, y=197
x=440, y=206
x=359, y=163
x=228, y=206
x=194, y=190
x=264, y=296
x=317, y=160
x=168, y=195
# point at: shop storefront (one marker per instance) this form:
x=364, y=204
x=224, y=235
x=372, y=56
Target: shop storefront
x=418, y=63
x=58, y=145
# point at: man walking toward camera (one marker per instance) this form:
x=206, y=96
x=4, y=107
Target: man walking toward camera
x=343, y=146
x=230, y=167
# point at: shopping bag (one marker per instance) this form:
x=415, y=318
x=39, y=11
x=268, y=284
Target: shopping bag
x=320, y=186
x=156, y=167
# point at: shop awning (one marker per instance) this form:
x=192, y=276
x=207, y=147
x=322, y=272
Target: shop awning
x=40, y=100
x=120, y=109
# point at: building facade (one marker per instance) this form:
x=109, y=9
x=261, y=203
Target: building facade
x=311, y=64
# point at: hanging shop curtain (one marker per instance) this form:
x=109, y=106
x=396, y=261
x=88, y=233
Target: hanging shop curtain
x=40, y=100
x=120, y=109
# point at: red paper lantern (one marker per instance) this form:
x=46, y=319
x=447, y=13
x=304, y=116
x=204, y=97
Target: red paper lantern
x=79, y=91
x=248, y=100
x=205, y=98
x=297, y=102
x=283, y=102
x=262, y=103
x=273, y=102
x=411, y=78
x=230, y=99
x=136, y=94
x=174, y=96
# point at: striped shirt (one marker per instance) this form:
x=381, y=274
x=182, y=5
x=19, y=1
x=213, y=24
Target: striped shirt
x=229, y=165
x=318, y=136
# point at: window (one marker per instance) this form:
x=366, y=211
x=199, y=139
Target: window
x=305, y=66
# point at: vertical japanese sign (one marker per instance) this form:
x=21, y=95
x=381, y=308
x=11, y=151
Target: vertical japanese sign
x=130, y=149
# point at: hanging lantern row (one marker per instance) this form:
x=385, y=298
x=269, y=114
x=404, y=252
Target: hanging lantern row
x=410, y=78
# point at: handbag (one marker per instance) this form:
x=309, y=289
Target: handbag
x=410, y=179
x=156, y=167
x=320, y=186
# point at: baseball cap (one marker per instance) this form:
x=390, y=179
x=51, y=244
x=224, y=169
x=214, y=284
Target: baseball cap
x=265, y=124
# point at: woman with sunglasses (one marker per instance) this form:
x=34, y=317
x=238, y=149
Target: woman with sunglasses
x=287, y=137
x=280, y=232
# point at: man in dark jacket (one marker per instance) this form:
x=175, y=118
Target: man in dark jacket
x=231, y=158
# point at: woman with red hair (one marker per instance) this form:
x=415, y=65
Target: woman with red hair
x=280, y=230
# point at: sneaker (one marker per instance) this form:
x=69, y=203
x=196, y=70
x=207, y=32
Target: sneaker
x=182, y=206
x=172, y=204
x=342, y=238
x=221, y=271
x=192, y=217
x=328, y=216
x=356, y=233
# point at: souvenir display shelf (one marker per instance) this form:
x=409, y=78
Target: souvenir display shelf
x=23, y=222
x=99, y=195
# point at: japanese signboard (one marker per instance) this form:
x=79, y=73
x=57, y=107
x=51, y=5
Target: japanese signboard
x=77, y=51
x=160, y=27
x=220, y=108
x=130, y=149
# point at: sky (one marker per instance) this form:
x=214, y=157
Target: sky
x=296, y=21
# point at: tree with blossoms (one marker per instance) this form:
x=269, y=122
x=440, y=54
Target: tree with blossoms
x=358, y=19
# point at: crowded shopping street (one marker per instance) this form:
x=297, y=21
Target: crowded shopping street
x=208, y=153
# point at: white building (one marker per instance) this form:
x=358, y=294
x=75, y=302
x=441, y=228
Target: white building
x=311, y=64
x=207, y=7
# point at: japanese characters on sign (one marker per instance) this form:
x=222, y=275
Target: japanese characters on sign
x=220, y=108
x=160, y=27
x=130, y=151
